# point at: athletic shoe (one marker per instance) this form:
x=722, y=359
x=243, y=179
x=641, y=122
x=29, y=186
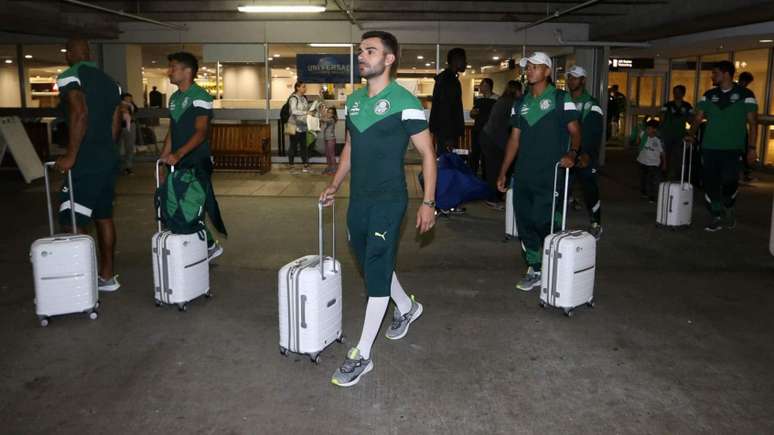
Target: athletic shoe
x=596, y=230
x=497, y=205
x=715, y=225
x=730, y=220
x=352, y=369
x=108, y=285
x=400, y=322
x=214, y=251
x=530, y=280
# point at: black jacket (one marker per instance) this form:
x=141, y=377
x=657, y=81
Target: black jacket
x=446, y=118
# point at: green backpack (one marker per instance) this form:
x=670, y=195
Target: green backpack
x=181, y=200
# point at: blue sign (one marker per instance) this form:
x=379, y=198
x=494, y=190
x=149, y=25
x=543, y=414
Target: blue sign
x=324, y=68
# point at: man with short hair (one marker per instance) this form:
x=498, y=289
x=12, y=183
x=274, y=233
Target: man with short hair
x=545, y=132
x=447, y=122
x=482, y=107
x=155, y=98
x=730, y=110
x=90, y=100
x=381, y=119
x=186, y=145
x=591, y=122
x=674, y=116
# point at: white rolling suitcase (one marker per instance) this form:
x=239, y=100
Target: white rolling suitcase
x=64, y=268
x=309, y=294
x=511, y=232
x=569, y=263
x=181, y=269
x=675, y=200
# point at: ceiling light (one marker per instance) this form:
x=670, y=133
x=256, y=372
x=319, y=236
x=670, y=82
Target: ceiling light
x=318, y=44
x=495, y=57
x=427, y=64
x=287, y=68
x=269, y=9
x=277, y=55
x=420, y=57
x=765, y=41
x=63, y=50
x=28, y=56
x=153, y=61
x=470, y=66
x=8, y=61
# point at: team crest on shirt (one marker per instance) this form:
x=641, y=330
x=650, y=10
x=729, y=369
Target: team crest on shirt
x=734, y=97
x=545, y=104
x=381, y=107
x=355, y=109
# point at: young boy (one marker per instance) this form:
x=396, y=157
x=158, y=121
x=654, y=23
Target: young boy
x=651, y=160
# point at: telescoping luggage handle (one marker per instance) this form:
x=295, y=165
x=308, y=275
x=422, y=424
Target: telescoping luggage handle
x=321, y=235
x=158, y=184
x=566, y=191
x=48, y=199
x=690, y=165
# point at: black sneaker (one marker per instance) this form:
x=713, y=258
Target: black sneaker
x=715, y=225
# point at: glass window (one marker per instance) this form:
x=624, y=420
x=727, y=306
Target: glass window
x=154, y=73
x=684, y=73
x=620, y=78
x=756, y=63
x=705, y=75
x=9, y=77
x=42, y=64
x=416, y=71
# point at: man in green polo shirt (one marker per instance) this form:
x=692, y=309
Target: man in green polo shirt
x=90, y=99
x=591, y=121
x=186, y=145
x=545, y=131
x=381, y=119
x=675, y=115
x=729, y=110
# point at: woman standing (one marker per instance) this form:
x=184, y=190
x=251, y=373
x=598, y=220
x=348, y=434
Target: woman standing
x=299, y=108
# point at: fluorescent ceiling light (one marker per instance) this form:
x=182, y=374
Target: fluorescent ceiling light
x=495, y=57
x=268, y=9
x=277, y=55
x=8, y=61
x=63, y=50
x=420, y=57
x=427, y=64
x=28, y=56
x=766, y=40
x=318, y=44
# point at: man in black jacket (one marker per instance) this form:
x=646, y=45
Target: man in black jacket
x=447, y=123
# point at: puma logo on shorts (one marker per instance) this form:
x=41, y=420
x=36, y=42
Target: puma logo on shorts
x=381, y=235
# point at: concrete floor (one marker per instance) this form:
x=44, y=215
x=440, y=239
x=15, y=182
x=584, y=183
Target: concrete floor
x=680, y=340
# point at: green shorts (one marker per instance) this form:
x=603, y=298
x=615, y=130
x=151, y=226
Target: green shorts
x=93, y=194
x=374, y=233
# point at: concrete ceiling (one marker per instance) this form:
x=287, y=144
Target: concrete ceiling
x=622, y=20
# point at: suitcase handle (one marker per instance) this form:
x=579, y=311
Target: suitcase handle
x=48, y=199
x=682, y=166
x=556, y=193
x=158, y=184
x=321, y=235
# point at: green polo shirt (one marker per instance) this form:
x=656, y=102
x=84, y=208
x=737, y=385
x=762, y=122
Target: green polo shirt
x=380, y=128
x=591, y=119
x=184, y=108
x=97, y=152
x=544, y=137
x=674, y=117
x=726, y=114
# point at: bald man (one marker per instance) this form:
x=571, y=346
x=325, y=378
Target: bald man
x=90, y=101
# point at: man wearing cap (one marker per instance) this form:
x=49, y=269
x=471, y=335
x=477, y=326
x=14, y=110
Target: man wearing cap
x=545, y=131
x=591, y=121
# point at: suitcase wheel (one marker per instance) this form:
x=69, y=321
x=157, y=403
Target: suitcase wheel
x=43, y=321
x=157, y=302
x=340, y=339
x=93, y=315
x=590, y=304
x=283, y=351
x=182, y=307
x=208, y=295
x=542, y=304
x=567, y=312
x=315, y=358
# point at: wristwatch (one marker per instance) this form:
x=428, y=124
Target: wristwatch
x=430, y=203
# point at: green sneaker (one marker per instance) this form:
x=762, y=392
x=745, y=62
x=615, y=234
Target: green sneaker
x=400, y=322
x=352, y=369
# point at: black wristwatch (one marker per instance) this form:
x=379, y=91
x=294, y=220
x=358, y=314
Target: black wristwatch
x=430, y=203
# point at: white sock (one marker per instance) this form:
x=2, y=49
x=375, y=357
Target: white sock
x=402, y=301
x=373, y=320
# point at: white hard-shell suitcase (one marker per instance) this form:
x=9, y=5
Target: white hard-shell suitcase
x=511, y=232
x=675, y=200
x=569, y=263
x=181, y=269
x=309, y=296
x=64, y=267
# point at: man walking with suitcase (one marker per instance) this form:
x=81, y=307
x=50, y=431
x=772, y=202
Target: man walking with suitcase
x=186, y=145
x=90, y=100
x=381, y=118
x=729, y=110
x=545, y=131
x=591, y=120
